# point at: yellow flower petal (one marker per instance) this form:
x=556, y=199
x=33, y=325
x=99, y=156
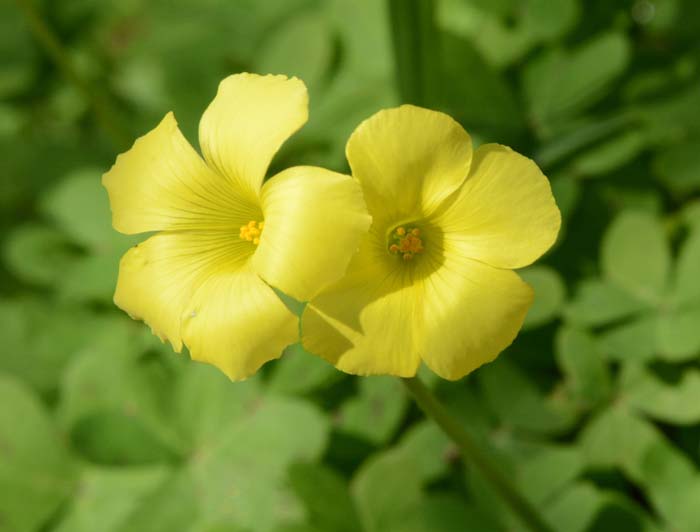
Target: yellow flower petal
x=238, y=323
x=472, y=312
x=408, y=160
x=198, y=289
x=161, y=183
x=314, y=220
x=504, y=214
x=367, y=323
x=247, y=122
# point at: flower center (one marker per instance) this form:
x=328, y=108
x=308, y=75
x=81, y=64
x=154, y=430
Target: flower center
x=252, y=231
x=406, y=242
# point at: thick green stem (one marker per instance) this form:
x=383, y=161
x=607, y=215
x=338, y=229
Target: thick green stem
x=415, y=49
x=52, y=46
x=473, y=455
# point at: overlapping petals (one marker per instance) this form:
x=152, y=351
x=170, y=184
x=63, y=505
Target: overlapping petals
x=198, y=283
x=318, y=217
x=369, y=322
x=457, y=304
x=195, y=289
x=162, y=184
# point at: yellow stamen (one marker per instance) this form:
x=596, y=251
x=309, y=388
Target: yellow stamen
x=251, y=232
x=407, y=243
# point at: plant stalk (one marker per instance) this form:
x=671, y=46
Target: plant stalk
x=472, y=454
x=416, y=54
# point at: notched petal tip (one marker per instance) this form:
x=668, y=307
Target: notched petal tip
x=246, y=123
x=408, y=160
x=505, y=213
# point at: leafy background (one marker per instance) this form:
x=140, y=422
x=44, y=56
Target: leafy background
x=593, y=411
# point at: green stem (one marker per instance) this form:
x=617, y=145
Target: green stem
x=472, y=454
x=415, y=49
x=52, y=46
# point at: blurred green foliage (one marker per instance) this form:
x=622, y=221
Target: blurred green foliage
x=594, y=411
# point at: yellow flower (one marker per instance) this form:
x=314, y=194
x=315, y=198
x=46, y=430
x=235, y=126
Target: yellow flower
x=432, y=279
x=221, y=231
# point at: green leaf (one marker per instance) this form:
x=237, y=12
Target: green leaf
x=620, y=513
x=673, y=117
x=610, y=154
x=549, y=471
x=443, y=513
x=114, y=408
x=386, y=487
x=502, y=32
x=640, y=199
x=40, y=339
x=586, y=372
x=240, y=474
x=598, y=302
x=38, y=254
x=483, y=99
x=377, y=410
x=550, y=20
x=580, y=133
x=107, y=496
x=645, y=456
x=567, y=192
x=36, y=472
x=584, y=507
x=634, y=340
x=326, y=497
x=558, y=83
x=678, y=334
x=172, y=506
x=468, y=405
x=429, y=449
x=241, y=445
x=550, y=293
x=677, y=403
x=635, y=255
x=686, y=282
x=351, y=98
x=618, y=438
x=92, y=278
x=575, y=509
x=677, y=502
x=363, y=26
x=516, y=401
x=302, y=47
x=80, y=207
x=679, y=167
x=206, y=400
x=690, y=215
x=299, y=372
